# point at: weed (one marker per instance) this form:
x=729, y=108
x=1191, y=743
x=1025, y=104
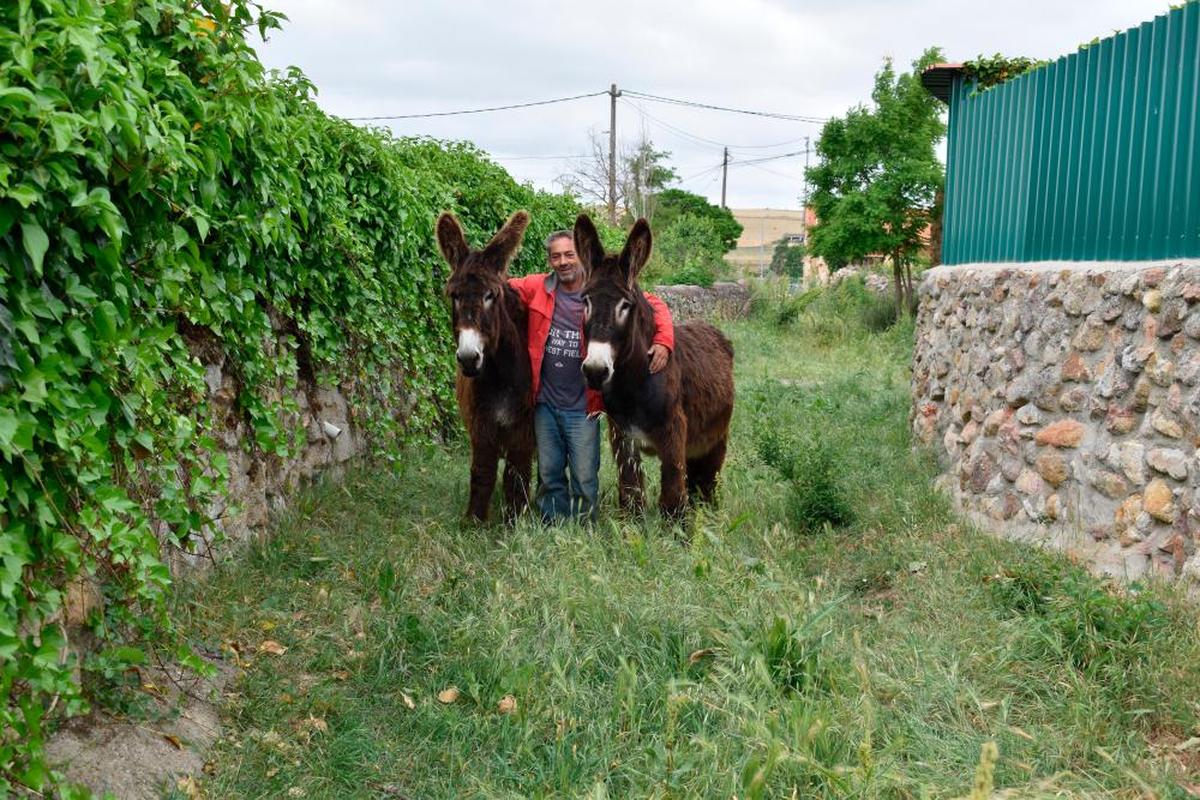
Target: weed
x=817, y=498
x=751, y=662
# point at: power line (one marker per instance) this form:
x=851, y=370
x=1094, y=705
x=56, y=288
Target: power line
x=774, y=172
x=700, y=174
x=566, y=157
x=703, y=140
x=770, y=114
x=765, y=159
x=477, y=110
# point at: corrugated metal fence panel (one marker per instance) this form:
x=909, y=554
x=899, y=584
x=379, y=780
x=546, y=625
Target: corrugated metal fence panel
x=1092, y=157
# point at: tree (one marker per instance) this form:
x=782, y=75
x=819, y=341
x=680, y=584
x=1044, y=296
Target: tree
x=688, y=250
x=788, y=259
x=674, y=203
x=588, y=181
x=876, y=182
x=645, y=175
x=641, y=174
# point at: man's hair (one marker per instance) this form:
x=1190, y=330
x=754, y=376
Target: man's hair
x=563, y=234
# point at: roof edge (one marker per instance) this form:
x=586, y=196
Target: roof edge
x=938, y=79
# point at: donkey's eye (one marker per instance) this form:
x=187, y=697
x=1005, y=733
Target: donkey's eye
x=488, y=298
x=587, y=308
x=623, y=310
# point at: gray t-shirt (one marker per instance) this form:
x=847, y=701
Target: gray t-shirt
x=562, y=376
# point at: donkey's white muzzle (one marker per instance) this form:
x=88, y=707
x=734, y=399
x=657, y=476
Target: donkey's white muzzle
x=598, y=365
x=470, y=350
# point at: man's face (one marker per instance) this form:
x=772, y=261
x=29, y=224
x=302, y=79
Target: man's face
x=564, y=261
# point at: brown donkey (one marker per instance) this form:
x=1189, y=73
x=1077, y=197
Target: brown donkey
x=680, y=414
x=494, y=384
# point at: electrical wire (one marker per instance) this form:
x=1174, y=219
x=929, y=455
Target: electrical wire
x=701, y=139
x=764, y=159
x=770, y=114
x=477, y=110
x=566, y=157
x=796, y=178
x=700, y=174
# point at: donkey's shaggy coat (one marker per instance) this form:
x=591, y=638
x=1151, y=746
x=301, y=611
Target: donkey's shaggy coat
x=680, y=414
x=494, y=384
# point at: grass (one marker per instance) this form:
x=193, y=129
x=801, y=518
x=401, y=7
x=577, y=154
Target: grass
x=751, y=657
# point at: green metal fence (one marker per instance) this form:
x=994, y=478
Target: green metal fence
x=1092, y=157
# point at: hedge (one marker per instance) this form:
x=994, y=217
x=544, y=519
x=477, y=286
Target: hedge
x=155, y=180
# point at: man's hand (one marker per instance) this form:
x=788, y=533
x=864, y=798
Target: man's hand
x=659, y=356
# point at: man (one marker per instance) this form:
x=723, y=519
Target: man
x=566, y=418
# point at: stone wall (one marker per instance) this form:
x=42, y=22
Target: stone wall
x=261, y=483
x=1063, y=402
x=723, y=300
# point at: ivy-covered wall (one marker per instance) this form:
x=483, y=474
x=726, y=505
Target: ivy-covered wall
x=166, y=205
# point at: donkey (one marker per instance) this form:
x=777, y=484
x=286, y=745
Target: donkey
x=494, y=384
x=681, y=414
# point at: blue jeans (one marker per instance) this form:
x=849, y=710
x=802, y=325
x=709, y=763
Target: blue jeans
x=566, y=439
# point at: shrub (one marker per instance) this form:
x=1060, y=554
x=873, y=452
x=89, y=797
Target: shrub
x=817, y=497
x=788, y=259
x=674, y=203
x=687, y=251
x=845, y=309
x=878, y=313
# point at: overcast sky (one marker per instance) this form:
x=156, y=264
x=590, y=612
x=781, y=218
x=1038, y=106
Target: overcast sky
x=817, y=59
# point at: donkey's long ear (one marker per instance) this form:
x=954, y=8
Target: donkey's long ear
x=451, y=240
x=587, y=243
x=637, y=250
x=504, y=245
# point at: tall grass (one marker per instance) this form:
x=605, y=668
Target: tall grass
x=877, y=655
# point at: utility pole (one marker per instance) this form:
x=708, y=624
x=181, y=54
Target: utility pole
x=613, y=94
x=724, y=175
x=804, y=206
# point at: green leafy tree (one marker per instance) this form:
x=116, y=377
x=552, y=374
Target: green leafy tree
x=670, y=204
x=788, y=259
x=689, y=250
x=877, y=179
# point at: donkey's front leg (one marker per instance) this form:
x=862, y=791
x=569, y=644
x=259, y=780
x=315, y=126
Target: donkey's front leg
x=672, y=452
x=485, y=455
x=518, y=465
x=631, y=494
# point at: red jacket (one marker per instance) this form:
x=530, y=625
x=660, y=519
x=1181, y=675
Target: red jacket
x=537, y=294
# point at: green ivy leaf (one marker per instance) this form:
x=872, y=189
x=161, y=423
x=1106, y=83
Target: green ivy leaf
x=201, y=223
x=78, y=335
x=24, y=194
x=78, y=292
x=15, y=96
x=16, y=433
x=64, y=128
x=35, y=387
x=36, y=244
x=105, y=319
x=8, y=429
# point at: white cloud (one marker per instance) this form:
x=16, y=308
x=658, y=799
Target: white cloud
x=791, y=56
